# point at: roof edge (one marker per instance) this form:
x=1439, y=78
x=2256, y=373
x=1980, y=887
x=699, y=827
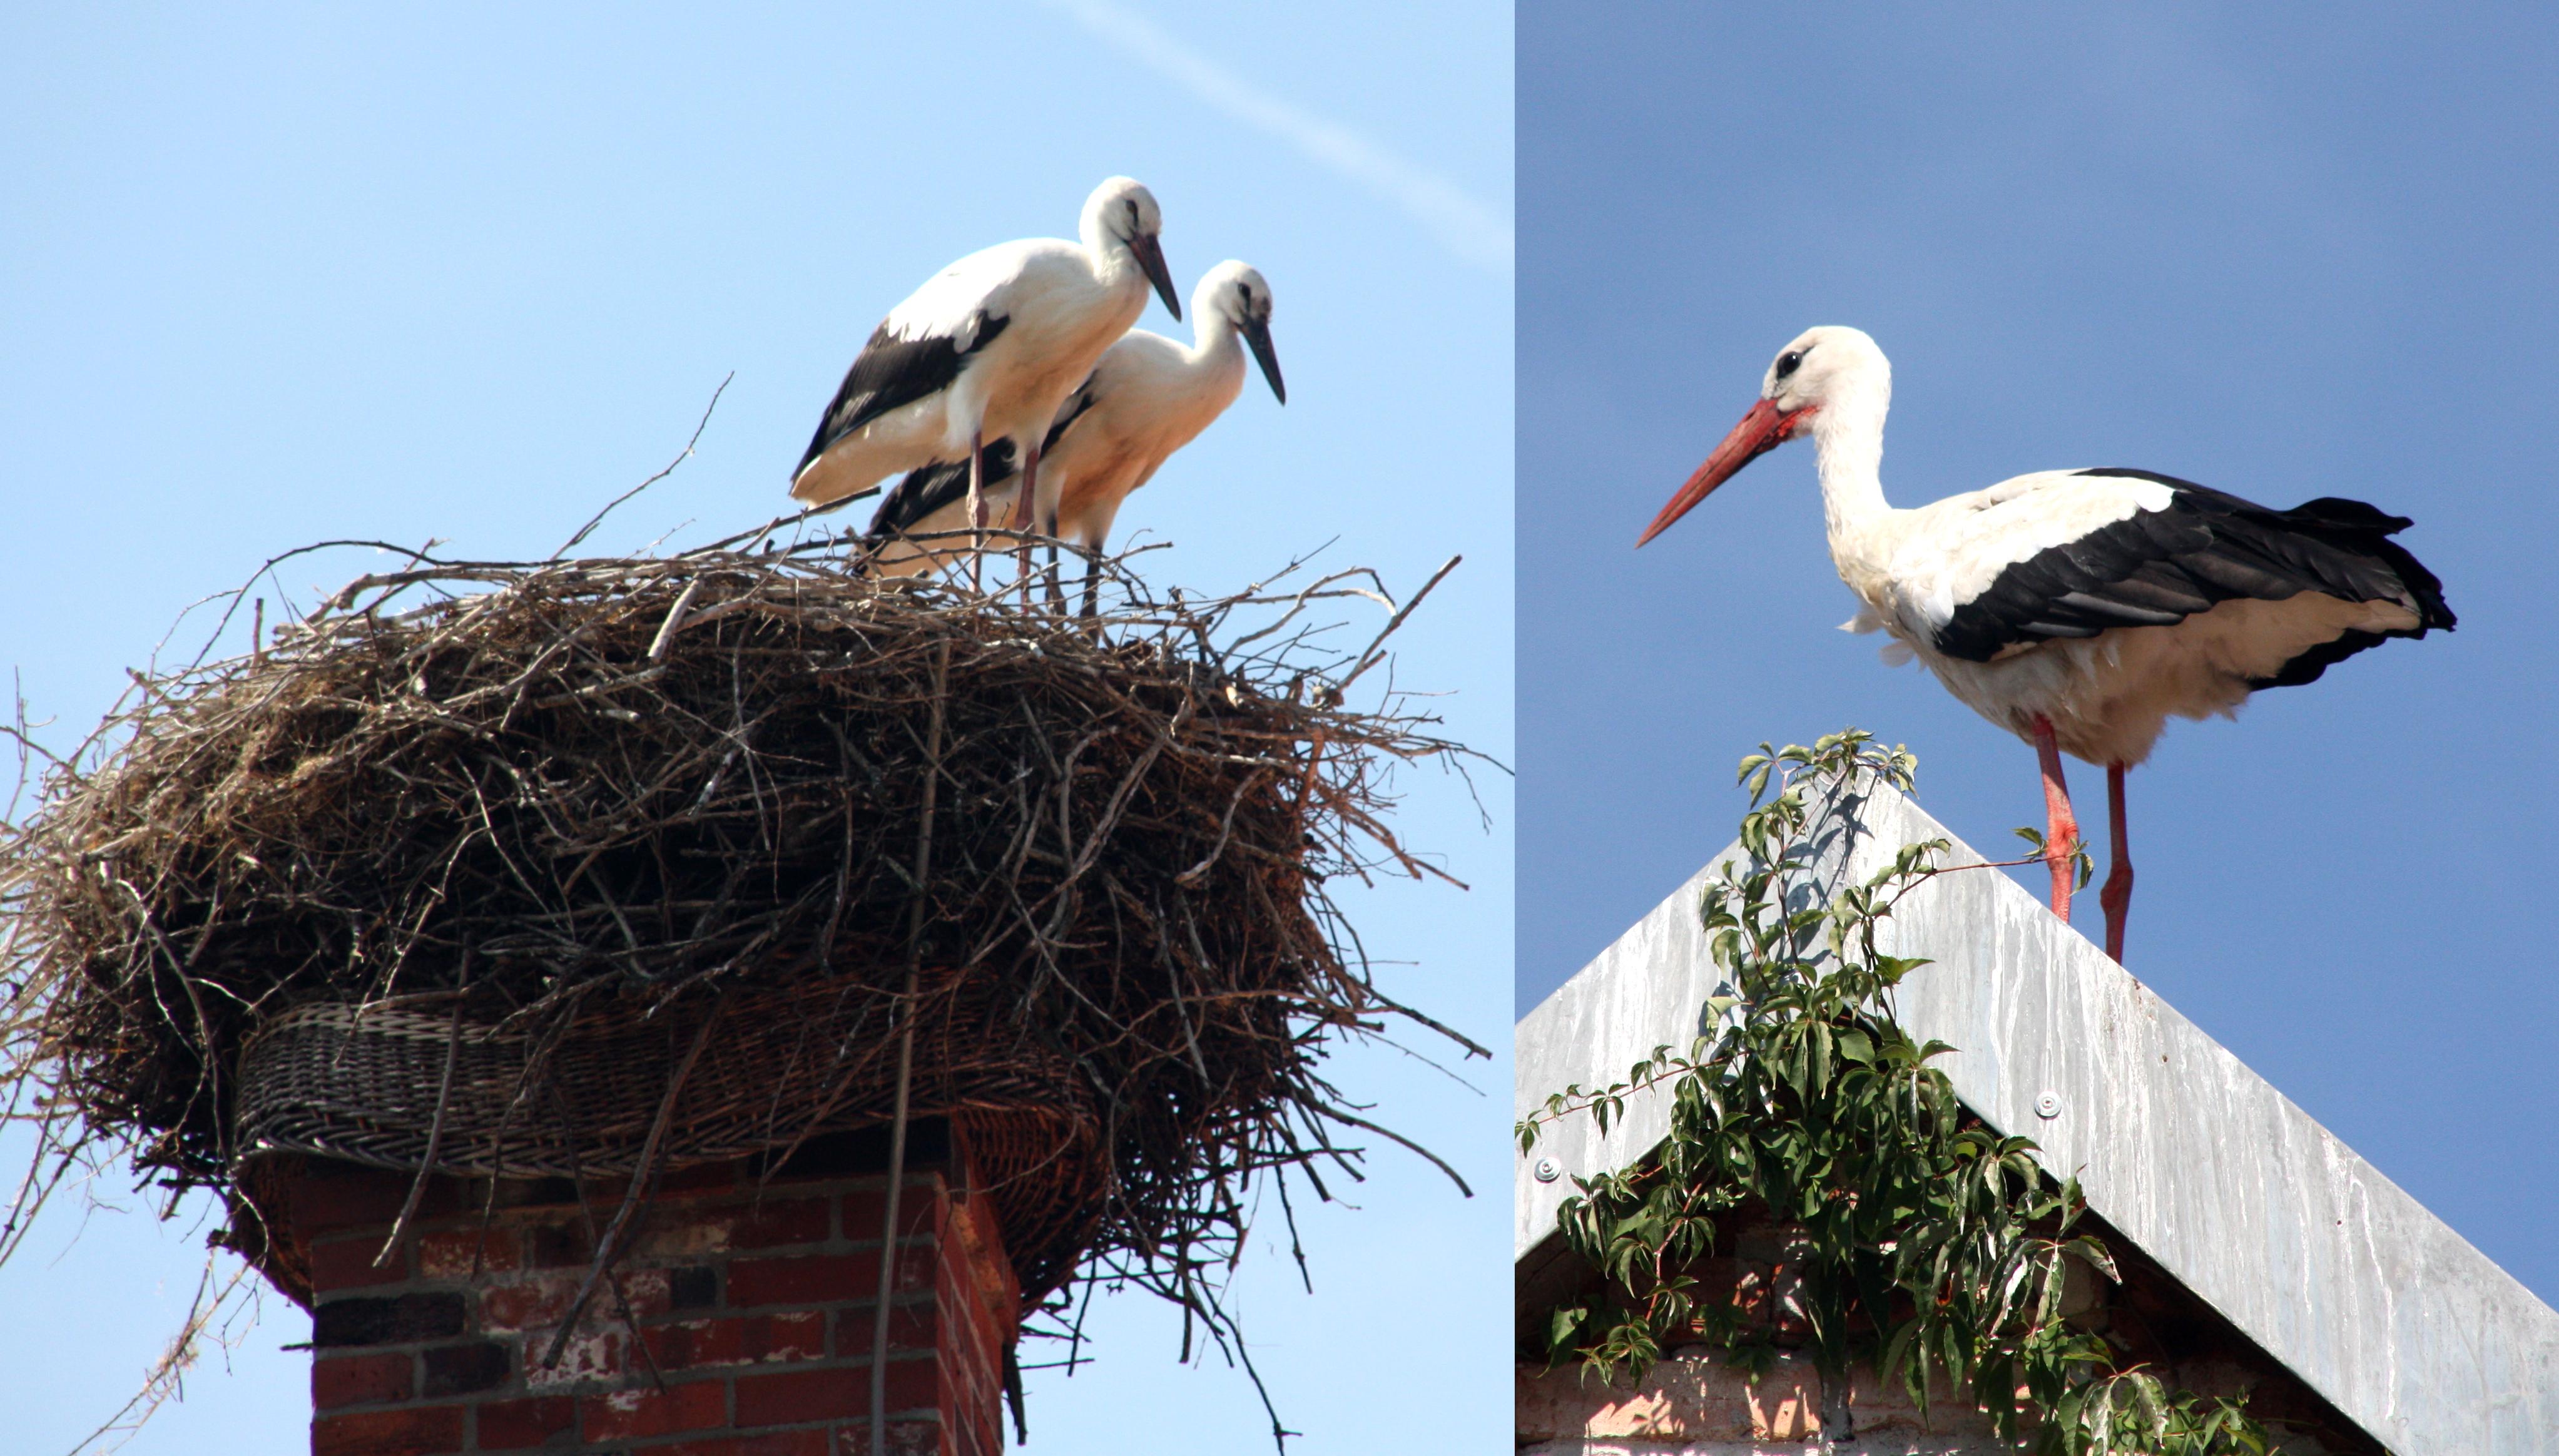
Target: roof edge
x=2327, y=1265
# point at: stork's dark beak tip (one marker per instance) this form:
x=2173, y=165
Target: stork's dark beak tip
x=1256, y=337
x=1150, y=257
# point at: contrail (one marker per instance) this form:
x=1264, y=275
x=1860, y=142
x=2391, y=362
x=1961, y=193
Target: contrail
x=1473, y=231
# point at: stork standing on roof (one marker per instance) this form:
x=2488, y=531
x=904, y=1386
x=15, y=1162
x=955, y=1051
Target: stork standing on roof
x=2078, y=608
x=1148, y=396
x=987, y=350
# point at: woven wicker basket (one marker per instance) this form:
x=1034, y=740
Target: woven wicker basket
x=778, y=1066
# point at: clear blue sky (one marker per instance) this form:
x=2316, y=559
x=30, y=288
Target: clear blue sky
x=465, y=272
x=2287, y=252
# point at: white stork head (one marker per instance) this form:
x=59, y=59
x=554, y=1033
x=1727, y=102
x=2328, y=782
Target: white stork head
x=1122, y=219
x=1234, y=295
x=1828, y=375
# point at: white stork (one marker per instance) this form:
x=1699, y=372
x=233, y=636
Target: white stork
x=2078, y=608
x=1148, y=396
x=988, y=348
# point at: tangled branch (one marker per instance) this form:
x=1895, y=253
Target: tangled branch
x=496, y=829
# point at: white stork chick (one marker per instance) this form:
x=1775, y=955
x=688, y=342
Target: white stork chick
x=988, y=348
x=2078, y=608
x=1148, y=396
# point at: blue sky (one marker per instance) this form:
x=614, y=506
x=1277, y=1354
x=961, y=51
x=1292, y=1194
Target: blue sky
x=465, y=273
x=2284, y=251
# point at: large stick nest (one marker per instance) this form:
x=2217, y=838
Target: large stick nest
x=565, y=803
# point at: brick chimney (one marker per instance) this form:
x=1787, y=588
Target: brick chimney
x=740, y=1323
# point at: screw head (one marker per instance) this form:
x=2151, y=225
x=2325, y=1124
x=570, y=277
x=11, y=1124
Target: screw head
x=1545, y=1170
x=2048, y=1104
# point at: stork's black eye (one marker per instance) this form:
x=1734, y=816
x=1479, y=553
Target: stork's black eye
x=1132, y=204
x=1789, y=361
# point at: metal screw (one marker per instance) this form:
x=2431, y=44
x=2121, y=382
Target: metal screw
x=2048, y=1104
x=1545, y=1170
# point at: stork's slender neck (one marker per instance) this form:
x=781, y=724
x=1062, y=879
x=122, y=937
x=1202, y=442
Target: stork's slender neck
x=1114, y=262
x=1214, y=337
x=1847, y=436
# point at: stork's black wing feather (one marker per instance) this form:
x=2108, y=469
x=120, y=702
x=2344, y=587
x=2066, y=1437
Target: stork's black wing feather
x=928, y=490
x=2157, y=567
x=1068, y=414
x=894, y=369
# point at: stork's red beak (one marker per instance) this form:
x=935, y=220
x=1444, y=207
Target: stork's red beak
x=1763, y=429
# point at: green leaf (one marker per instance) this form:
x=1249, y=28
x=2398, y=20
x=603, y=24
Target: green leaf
x=1564, y=1327
x=1802, y=1096
x=2090, y=1247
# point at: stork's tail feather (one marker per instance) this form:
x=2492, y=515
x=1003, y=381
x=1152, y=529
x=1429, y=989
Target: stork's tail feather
x=2357, y=526
x=2387, y=570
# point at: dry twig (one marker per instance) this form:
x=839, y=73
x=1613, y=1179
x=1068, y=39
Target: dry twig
x=558, y=803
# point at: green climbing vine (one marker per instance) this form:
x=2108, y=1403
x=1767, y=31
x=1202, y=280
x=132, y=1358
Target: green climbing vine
x=1923, y=1243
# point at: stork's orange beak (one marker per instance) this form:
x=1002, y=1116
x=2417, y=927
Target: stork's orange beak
x=1763, y=429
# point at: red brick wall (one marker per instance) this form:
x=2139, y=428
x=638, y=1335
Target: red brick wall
x=1695, y=1400
x=741, y=1326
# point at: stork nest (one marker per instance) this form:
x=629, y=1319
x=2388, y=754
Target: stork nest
x=576, y=815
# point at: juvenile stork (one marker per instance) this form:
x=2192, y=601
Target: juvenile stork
x=988, y=348
x=1148, y=396
x=2078, y=608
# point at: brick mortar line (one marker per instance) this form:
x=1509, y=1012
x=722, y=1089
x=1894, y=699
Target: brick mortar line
x=831, y=1245
x=706, y=1311
x=525, y=1244
x=698, y=1312
x=468, y=1402
x=602, y=1385
x=916, y=1415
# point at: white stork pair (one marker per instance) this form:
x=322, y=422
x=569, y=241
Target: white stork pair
x=1148, y=396
x=2078, y=608
x=993, y=362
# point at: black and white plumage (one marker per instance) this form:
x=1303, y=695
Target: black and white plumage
x=2079, y=609
x=987, y=348
x=1146, y=399
x=933, y=502
x=2158, y=567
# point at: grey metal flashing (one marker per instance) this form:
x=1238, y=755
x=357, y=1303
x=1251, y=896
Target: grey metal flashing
x=2327, y=1265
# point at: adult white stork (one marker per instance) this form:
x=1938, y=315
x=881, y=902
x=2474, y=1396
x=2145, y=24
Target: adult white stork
x=2078, y=608
x=988, y=348
x=1147, y=398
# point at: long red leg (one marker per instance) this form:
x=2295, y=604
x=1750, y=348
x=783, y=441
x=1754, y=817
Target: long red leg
x=1023, y=502
x=2060, y=829
x=1022, y=518
x=2117, y=897
x=977, y=508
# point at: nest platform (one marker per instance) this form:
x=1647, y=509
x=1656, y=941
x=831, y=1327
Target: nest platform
x=609, y=866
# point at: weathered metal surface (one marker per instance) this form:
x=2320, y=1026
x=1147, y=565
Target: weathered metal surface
x=2310, y=1251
